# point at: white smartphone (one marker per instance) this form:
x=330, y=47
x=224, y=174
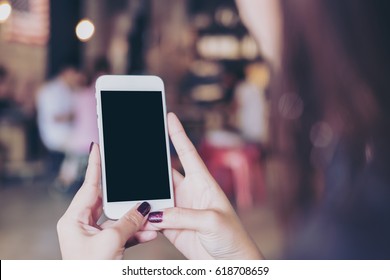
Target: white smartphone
x=134, y=145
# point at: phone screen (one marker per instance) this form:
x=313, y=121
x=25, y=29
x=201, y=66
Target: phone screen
x=134, y=146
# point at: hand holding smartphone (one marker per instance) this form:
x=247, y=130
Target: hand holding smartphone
x=134, y=143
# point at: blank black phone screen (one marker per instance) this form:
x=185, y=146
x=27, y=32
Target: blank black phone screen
x=134, y=145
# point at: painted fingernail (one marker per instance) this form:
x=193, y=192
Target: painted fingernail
x=144, y=208
x=155, y=217
x=90, y=147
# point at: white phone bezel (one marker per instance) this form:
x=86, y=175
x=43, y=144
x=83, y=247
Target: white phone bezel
x=115, y=210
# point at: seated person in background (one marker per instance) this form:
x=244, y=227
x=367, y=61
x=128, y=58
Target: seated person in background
x=251, y=106
x=84, y=131
x=55, y=113
x=5, y=101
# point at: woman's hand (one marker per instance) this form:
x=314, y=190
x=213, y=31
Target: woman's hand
x=204, y=224
x=79, y=234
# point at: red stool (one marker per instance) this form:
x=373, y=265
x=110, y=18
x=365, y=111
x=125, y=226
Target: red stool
x=242, y=164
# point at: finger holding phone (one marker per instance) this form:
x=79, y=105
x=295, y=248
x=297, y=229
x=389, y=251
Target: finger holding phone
x=79, y=234
x=204, y=224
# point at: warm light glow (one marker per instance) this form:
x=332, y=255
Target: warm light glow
x=219, y=47
x=5, y=11
x=85, y=30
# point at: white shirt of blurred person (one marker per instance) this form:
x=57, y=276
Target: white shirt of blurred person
x=55, y=108
x=85, y=128
x=252, y=112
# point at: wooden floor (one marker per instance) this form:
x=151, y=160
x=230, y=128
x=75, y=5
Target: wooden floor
x=29, y=213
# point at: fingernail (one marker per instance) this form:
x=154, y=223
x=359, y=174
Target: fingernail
x=144, y=208
x=155, y=217
x=90, y=147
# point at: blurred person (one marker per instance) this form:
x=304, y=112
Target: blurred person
x=3, y=87
x=13, y=129
x=55, y=113
x=84, y=131
x=250, y=104
x=85, y=128
x=6, y=101
x=330, y=131
x=26, y=102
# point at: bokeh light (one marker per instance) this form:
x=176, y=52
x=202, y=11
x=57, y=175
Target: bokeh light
x=5, y=11
x=85, y=30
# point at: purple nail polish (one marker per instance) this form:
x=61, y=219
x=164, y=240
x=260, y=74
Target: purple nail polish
x=156, y=217
x=144, y=208
x=90, y=147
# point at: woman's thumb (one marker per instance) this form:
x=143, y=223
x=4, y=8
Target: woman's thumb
x=132, y=221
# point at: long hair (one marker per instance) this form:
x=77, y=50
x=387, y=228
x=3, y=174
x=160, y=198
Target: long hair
x=332, y=94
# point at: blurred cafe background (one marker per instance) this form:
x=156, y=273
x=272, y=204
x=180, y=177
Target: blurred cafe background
x=216, y=82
